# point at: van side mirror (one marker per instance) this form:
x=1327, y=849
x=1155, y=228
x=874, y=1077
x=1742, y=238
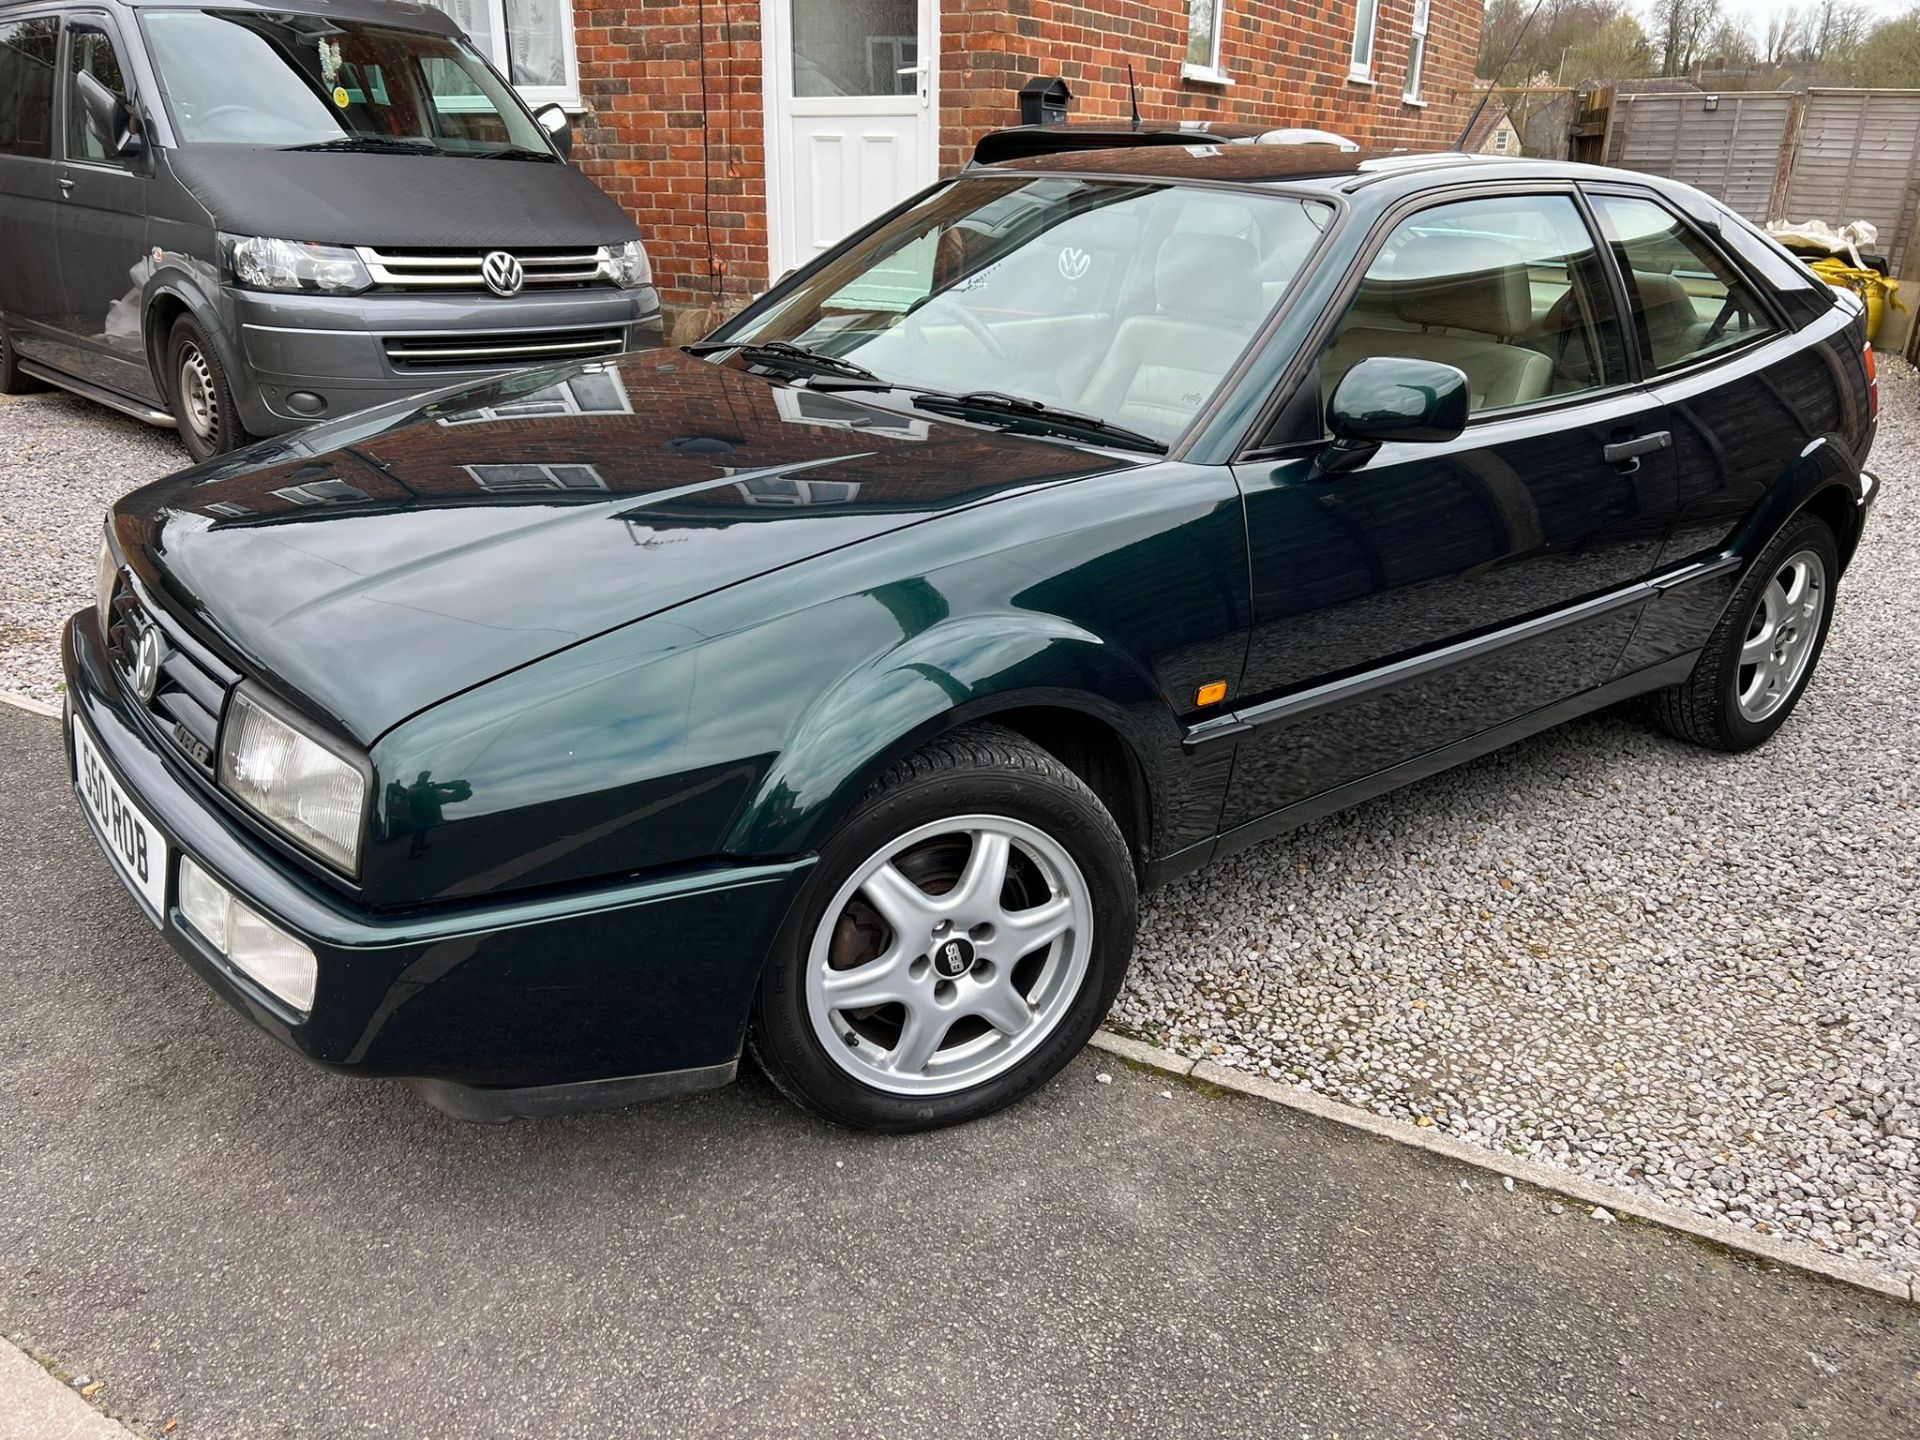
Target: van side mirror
x=1388, y=399
x=107, y=117
x=558, y=125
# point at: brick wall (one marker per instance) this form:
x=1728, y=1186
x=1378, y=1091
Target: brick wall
x=675, y=129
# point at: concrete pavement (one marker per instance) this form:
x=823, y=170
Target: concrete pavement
x=256, y=1249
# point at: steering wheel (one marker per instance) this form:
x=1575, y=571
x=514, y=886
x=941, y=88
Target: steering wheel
x=968, y=322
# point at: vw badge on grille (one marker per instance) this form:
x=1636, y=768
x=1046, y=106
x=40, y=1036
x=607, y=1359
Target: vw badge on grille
x=502, y=273
x=147, y=660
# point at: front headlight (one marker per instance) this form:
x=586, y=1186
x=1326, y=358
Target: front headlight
x=260, y=263
x=103, y=587
x=300, y=785
x=627, y=265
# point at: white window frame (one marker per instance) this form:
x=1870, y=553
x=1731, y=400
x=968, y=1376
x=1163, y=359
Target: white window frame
x=1210, y=73
x=1359, y=68
x=1417, y=52
x=567, y=95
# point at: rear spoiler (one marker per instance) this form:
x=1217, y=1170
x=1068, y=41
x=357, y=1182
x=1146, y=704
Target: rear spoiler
x=1021, y=141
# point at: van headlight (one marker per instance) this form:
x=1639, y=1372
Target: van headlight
x=303, y=786
x=261, y=263
x=626, y=265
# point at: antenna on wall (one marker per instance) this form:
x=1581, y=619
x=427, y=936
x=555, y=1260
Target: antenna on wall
x=1133, y=95
x=1494, y=83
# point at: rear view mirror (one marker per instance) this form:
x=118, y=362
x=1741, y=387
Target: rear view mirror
x=554, y=120
x=107, y=116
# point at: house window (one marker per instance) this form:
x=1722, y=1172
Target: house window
x=1500, y=139
x=1365, y=17
x=505, y=478
x=1417, y=51
x=1202, y=60
x=528, y=41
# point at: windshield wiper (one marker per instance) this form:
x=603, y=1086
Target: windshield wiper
x=511, y=152
x=777, y=352
x=1015, y=407
x=370, y=142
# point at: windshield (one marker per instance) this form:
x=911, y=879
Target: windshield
x=1128, y=301
x=248, y=77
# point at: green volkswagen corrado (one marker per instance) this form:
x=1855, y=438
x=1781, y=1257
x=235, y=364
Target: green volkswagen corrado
x=832, y=687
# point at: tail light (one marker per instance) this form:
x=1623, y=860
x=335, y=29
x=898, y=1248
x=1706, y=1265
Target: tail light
x=1873, y=384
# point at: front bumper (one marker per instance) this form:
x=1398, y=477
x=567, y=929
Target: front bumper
x=338, y=349
x=522, y=1007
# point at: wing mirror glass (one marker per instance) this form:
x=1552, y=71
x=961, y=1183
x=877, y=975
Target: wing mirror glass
x=107, y=115
x=1387, y=399
x=558, y=125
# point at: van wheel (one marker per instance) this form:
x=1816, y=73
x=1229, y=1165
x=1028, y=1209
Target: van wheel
x=13, y=380
x=958, y=942
x=203, y=405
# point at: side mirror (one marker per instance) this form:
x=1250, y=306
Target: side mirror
x=107, y=116
x=559, y=127
x=1388, y=399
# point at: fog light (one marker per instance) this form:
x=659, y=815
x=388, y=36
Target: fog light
x=305, y=402
x=252, y=942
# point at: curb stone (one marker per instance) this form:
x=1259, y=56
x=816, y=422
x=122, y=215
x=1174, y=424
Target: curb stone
x=35, y=1405
x=29, y=704
x=1791, y=1254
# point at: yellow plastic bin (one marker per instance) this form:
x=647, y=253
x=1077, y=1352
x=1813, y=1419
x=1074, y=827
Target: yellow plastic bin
x=1870, y=285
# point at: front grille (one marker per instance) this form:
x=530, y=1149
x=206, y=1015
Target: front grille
x=468, y=351
x=192, y=688
x=444, y=271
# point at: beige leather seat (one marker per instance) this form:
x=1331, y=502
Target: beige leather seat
x=1465, y=301
x=1162, y=366
x=1673, y=328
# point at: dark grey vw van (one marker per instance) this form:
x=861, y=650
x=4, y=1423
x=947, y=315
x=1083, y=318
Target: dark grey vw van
x=239, y=218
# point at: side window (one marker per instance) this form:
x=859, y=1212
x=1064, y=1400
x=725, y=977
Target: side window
x=1687, y=300
x=90, y=52
x=1508, y=290
x=26, y=87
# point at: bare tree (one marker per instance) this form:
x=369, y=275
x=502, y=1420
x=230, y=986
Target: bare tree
x=1831, y=30
x=1682, y=28
x=1783, y=27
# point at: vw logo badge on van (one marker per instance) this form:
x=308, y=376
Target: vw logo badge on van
x=502, y=273
x=1074, y=263
x=147, y=661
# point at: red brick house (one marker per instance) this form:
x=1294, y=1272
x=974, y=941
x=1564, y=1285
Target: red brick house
x=744, y=135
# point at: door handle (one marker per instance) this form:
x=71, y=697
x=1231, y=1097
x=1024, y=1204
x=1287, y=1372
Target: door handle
x=1622, y=451
x=920, y=82
x=66, y=187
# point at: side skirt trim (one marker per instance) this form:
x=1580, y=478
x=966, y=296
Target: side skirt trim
x=1655, y=677
x=1224, y=728
x=99, y=394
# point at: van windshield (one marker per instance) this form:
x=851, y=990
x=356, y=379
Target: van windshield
x=310, y=82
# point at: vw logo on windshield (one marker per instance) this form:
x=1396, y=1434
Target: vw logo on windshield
x=502, y=273
x=147, y=661
x=1074, y=263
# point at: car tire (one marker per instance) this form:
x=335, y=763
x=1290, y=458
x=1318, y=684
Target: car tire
x=13, y=380
x=199, y=393
x=1757, y=662
x=938, y=824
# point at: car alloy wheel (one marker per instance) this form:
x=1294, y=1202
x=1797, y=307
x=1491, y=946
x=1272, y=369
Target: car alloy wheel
x=949, y=955
x=1782, y=636
x=199, y=397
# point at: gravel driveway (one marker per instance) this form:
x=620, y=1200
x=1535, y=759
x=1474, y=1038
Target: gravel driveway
x=1692, y=973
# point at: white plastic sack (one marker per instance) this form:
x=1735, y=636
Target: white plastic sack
x=1849, y=240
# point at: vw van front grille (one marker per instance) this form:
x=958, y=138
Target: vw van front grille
x=452, y=271
x=504, y=350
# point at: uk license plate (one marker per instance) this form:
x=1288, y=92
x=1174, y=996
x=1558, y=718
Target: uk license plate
x=134, y=842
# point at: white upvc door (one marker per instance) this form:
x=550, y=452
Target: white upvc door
x=853, y=115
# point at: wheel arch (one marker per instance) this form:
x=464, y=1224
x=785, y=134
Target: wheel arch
x=1092, y=708
x=1823, y=480
x=169, y=295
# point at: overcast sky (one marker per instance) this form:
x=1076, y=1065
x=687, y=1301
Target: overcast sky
x=1755, y=12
